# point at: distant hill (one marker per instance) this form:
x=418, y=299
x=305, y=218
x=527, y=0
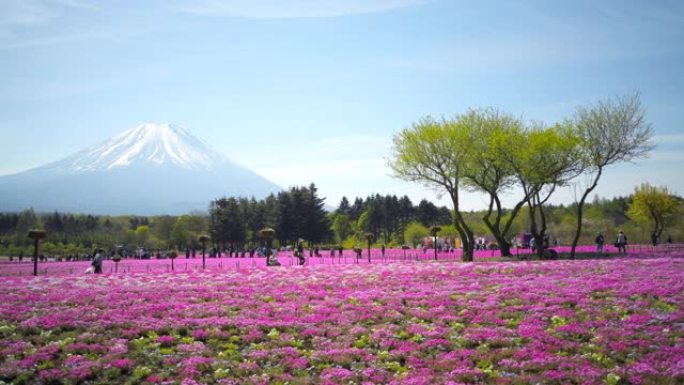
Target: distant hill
x=150, y=169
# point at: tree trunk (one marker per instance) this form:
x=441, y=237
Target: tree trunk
x=659, y=226
x=505, y=248
x=538, y=239
x=580, y=208
x=468, y=248
x=504, y=245
x=542, y=230
x=464, y=231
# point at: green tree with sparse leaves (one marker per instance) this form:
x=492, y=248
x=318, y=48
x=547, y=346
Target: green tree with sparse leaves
x=611, y=131
x=433, y=152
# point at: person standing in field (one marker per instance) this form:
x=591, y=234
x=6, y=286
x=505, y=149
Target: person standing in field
x=300, y=253
x=621, y=242
x=97, y=262
x=599, y=242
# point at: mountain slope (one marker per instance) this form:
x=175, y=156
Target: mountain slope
x=149, y=169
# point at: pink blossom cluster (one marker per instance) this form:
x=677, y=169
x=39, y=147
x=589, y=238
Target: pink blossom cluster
x=610, y=321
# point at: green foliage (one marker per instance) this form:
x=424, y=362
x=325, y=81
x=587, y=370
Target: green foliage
x=653, y=205
x=448, y=231
x=415, y=233
x=612, y=379
x=186, y=230
x=161, y=227
x=342, y=227
x=350, y=242
x=385, y=216
x=365, y=222
x=142, y=236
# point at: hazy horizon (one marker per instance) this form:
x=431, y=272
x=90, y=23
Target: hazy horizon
x=303, y=92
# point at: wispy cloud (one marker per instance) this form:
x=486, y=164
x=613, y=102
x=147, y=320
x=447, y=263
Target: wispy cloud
x=670, y=139
x=25, y=13
x=279, y=9
x=27, y=23
x=36, y=23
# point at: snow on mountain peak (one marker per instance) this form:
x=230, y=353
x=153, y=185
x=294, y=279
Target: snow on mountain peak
x=148, y=143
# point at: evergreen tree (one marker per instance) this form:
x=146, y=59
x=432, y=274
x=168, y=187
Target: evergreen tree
x=343, y=208
x=316, y=222
x=227, y=222
x=427, y=213
x=357, y=208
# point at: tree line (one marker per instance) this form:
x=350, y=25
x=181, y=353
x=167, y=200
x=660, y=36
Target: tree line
x=396, y=221
x=298, y=214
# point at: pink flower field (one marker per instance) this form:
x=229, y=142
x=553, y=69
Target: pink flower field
x=611, y=321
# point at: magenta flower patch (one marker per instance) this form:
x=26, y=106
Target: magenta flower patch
x=576, y=322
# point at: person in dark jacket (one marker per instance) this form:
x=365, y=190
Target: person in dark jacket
x=599, y=241
x=300, y=253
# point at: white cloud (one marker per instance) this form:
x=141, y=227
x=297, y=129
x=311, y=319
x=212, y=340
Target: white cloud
x=279, y=9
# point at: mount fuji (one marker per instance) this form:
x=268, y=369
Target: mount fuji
x=151, y=169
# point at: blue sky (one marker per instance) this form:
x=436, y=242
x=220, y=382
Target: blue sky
x=304, y=90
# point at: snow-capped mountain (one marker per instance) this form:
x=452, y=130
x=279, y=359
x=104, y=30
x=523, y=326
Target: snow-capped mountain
x=149, y=143
x=148, y=169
